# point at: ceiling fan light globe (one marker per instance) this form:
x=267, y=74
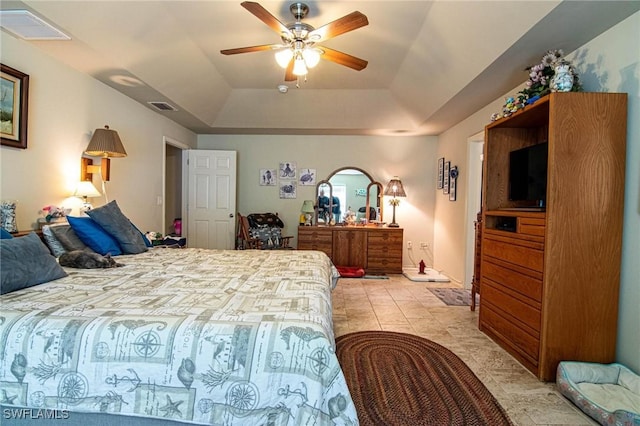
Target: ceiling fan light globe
x=299, y=67
x=311, y=57
x=283, y=57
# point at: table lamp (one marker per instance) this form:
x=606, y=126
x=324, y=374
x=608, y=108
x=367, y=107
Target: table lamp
x=395, y=188
x=85, y=190
x=307, y=209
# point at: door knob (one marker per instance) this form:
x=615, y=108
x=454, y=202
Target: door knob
x=230, y=214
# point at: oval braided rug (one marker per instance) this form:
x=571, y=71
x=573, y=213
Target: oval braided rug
x=400, y=379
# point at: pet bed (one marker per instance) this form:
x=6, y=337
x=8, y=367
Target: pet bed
x=609, y=393
x=350, y=271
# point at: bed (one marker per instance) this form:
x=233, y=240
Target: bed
x=217, y=337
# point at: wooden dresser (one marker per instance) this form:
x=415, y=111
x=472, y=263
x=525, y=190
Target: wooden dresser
x=377, y=250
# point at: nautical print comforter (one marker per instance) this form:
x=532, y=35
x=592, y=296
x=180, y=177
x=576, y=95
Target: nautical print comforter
x=206, y=336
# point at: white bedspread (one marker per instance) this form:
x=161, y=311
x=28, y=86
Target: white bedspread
x=212, y=337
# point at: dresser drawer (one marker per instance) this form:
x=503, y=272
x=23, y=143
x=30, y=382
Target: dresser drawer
x=385, y=237
x=386, y=264
x=315, y=239
x=382, y=250
x=524, y=284
x=509, y=250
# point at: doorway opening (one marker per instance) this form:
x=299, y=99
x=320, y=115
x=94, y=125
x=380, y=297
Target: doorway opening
x=173, y=187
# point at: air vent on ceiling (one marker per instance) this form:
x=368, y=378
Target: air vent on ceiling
x=28, y=26
x=162, y=106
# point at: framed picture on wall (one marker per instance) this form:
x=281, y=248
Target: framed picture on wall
x=440, y=180
x=452, y=188
x=288, y=189
x=288, y=170
x=268, y=177
x=308, y=177
x=14, y=99
x=445, y=181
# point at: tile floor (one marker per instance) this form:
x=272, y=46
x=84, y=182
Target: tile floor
x=398, y=304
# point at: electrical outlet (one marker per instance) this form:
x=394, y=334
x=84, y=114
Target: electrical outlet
x=424, y=245
x=409, y=245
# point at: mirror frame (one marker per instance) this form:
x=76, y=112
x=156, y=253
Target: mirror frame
x=318, y=185
x=368, y=204
x=379, y=199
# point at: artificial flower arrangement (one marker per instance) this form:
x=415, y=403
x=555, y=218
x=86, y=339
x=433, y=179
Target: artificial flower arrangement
x=553, y=74
x=53, y=212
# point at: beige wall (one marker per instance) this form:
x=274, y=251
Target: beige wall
x=65, y=107
x=609, y=63
x=411, y=158
x=64, y=110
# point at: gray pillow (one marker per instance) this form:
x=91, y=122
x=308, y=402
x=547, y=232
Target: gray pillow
x=55, y=246
x=68, y=238
x=112, y=220
x=26, y=261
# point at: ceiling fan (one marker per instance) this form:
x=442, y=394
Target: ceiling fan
x=299, y=50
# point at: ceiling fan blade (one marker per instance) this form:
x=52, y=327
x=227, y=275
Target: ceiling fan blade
x=263, y=14
x=259, y=48
x=343, y=59
x=289, y=75
x=347, y=23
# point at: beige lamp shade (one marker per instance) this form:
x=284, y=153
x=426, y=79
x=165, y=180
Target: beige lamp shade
x=105, y=143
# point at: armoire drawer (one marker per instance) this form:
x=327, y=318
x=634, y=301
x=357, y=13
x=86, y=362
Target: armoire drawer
x=504, y=274
x=527, y=314
x=511, y=251
x=509, y=332
x=531, y=226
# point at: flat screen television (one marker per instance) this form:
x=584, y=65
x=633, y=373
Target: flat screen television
x=528, y=175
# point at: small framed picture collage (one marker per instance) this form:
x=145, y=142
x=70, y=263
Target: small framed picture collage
x=287, y=177
x=447, y=178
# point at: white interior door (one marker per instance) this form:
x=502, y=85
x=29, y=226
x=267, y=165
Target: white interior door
x=475, y=146
x=211, y=209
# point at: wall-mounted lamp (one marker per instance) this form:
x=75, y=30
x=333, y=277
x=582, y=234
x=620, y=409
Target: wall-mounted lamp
x=85, y=190
x=87, y=168
x=395, y=188
x=105, y=143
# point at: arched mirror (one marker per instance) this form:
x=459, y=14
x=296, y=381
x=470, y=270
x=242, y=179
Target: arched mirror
x=349, y=187
x=324, y=205
x=375, y=191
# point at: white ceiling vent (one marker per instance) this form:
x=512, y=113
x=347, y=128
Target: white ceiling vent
x=28, y=26
x=162, y=106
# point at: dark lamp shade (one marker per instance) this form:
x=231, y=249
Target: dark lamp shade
x=105, y=143
x=395, y=188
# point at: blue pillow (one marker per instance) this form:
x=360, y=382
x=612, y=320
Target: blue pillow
x=5, y=235
x=94, y=236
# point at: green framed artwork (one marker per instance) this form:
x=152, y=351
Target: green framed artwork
x=14, y=102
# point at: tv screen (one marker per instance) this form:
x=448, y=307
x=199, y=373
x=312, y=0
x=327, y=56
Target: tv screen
x=528, y=174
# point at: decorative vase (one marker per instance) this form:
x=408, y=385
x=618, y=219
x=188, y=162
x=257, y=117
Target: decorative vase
x=563, y=78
